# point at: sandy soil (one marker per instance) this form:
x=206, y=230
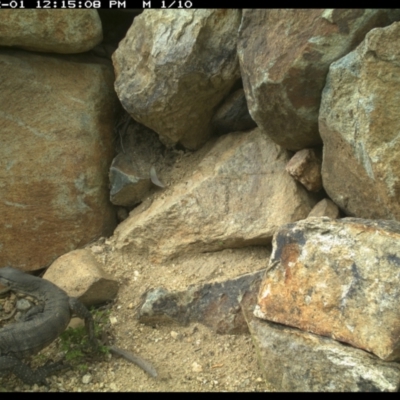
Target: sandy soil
x=187, y=358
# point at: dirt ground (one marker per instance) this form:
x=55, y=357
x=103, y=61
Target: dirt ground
x=187, y=358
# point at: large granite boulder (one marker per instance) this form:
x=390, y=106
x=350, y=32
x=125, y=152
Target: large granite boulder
x=56, y=145
x=284, y=58
x=54, y=31
x=296, y=361
x=337, y=278
x=173, y=68
x=359, y=124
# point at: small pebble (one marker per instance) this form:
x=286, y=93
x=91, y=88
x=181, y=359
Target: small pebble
x=86, y=379
x=174, y=335
x=196, y=367
x=23, y=305
x=96, y=249
x=113, y=320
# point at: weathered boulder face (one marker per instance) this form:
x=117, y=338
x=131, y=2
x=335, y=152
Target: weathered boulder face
x=55, y=31
x=298, y=361
x=239, y=196
x=56, y=119
x=338, y=278
x=284, y=58
x=173, y=69
x=359, y=124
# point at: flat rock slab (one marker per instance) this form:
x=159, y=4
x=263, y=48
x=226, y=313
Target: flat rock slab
x=173, y=68
x=216, y=305
x=337, y=278
x=239, y=195
x=297, y=361
x=54, y=31
x=284, y=59
x=359, y=125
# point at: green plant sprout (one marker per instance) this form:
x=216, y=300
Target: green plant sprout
x=75, y=343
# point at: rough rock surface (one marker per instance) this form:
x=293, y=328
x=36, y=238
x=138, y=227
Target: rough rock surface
x=55, y=150
x=239, y=195
x=325, y=208
x=284, y=58
x=360, y=126
x=55, y=31
x=337, y=278
x=296, y=361
x=80, y=275
x=233, y=115
x=305, y=166
x=216, y=305
x=172, y=69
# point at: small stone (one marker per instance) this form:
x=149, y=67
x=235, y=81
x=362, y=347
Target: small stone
x=76, y=323
x=130, y=306
x=86, y=379
x=305, y=166
x=23, y=305
x=113, y=320
x=96, y=249
x=174, y=335
x=113, y=386
x=136, y=273
x=245, y=382
x=196, y=367
x=8, y=306
x=259, y=379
